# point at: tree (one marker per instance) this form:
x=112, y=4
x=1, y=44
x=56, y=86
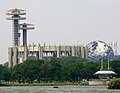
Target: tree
x=115, y=65
x=6, y=74
x=55, y=68
x=17, y=73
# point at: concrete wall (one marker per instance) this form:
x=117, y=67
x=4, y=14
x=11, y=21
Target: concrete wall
x=99, y=82
x=41, y=52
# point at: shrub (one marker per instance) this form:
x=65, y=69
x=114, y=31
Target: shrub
x=114, y=84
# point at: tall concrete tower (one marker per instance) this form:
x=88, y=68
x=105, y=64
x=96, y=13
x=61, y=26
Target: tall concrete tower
x=25, y=27
x=15, y=16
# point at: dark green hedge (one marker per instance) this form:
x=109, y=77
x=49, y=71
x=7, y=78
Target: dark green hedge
x=114, y=84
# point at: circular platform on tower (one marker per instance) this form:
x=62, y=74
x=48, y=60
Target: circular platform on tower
x=105, y=72
x=104, y=77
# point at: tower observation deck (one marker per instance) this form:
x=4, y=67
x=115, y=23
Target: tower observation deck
x=15, y=15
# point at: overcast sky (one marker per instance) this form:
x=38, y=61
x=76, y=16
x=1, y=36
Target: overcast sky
x=63, y=22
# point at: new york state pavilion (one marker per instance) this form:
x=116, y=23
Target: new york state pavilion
x=23, y=51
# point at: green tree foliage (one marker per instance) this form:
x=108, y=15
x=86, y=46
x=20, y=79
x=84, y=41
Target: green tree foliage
x=1, y=68
x=55, y=69
x=5, y=73
x=114, y=84
x=115, y=65
x=27, y=71
x=17, y=73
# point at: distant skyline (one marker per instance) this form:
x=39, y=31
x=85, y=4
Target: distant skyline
x=65, y=22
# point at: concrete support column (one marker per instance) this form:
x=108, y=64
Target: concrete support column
x=73, y=51
x=58, y=51
x=40, y=52
x=82, y=52
x=22, y=57
x=15, y=56
x=25, y=53
x=86, y=52
x=10, y=57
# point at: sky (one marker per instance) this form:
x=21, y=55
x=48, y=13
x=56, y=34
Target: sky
x=65, y=22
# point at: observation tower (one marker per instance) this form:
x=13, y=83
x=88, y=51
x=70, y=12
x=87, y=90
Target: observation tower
x=15, y=15
x=26, y=27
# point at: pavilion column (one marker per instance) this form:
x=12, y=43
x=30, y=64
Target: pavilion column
x=40, y=52
x=10, y=57
x=58, y=51
x=15, y=56
x=73, y=51
x=25, y=53
x=82, y=52
x=86, y=52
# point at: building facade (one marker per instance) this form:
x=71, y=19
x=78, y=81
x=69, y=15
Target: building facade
x=43, y=52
